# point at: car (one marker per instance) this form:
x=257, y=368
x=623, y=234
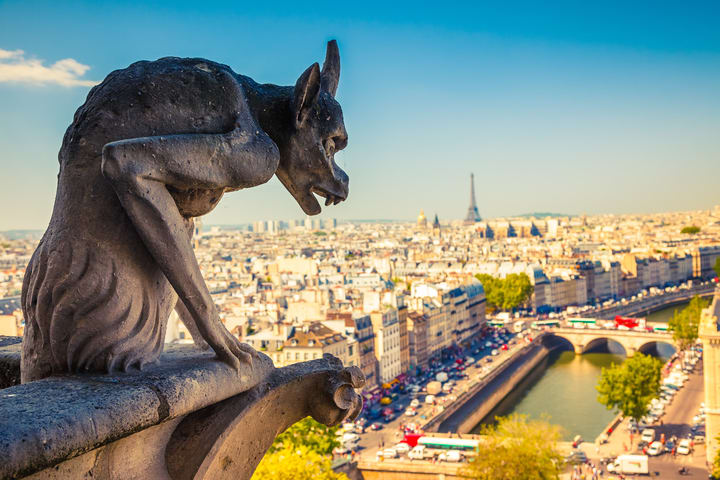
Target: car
x=402, y=448
x=375, y=426
x=417, y=453
x=494, y=352
x=452, y=456
x=389, y=453
x=341, y=450
x=415, y=403
x=576, y=457
x=699, y=438
x=655, y=449
x=410, y=412
x=684, y=447
x=648, y=435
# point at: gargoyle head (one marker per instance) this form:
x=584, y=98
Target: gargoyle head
x=307, y=157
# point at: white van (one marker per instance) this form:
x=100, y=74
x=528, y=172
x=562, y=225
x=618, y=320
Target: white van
x=648, y=435
x=417, y=453
x=430, y=399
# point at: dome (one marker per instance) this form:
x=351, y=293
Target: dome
x=422, y=221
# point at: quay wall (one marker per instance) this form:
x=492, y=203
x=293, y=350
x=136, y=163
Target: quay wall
x=404, y=470
x=475, y=404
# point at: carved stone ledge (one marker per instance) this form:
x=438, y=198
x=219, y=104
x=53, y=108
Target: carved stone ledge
x=228, y=439
x=183, y=418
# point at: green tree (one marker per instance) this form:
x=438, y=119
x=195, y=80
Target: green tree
x=685, y=323
x=303, y=451
x=508, y=293
x=517, y=449
x=630, y=386
x=717, y=267
x=690, y=230
x=308, y=433
x=296, y=463
x=715, y=471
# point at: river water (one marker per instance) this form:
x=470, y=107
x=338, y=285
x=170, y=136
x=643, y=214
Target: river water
x=562, y=389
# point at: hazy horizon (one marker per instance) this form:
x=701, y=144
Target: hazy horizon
x=578, y=109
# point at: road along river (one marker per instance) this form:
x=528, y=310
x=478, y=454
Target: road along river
x=562, y=388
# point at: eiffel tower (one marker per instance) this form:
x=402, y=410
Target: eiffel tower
x=472, y=214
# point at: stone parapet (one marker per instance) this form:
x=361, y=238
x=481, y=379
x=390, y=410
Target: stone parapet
x=187, y=416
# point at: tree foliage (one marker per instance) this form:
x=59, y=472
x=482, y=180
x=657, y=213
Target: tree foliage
x=296, y=463
x=685, y=323
x=717, y=267
x=506, y=293
x=302, y=452
x=308, y=433
x=630, y=386
x=690, y=230
x=517, y=449
x=715, y=467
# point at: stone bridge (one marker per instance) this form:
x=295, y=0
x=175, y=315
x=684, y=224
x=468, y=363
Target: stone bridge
x=585, y=339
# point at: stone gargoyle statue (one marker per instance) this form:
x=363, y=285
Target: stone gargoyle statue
x=154, y=145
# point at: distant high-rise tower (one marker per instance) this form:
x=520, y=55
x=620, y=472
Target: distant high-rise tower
x=472, y=214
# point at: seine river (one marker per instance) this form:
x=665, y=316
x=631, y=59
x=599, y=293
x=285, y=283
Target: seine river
x=563, y=389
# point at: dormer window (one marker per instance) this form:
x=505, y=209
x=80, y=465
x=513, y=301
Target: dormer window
x=311, y=343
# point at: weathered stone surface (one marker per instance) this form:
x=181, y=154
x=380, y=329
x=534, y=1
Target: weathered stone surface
x=54, y=419
x=10, y=349
x=155, y=145
x=112, y=428
x=217, y=443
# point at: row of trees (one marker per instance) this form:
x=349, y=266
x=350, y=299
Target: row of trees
x=685, y=323
x=506, y=293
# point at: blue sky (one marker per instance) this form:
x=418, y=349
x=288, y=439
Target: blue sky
x=576, y=108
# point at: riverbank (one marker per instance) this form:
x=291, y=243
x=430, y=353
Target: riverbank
x=474, y=405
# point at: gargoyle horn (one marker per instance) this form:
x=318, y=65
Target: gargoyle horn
x=330, y=76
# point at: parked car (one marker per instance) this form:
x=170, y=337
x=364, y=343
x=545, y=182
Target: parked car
x=655, y=449
x=417, y=453
x=415, y=403
x=648, y=435
x=402, y=448
x=684, y=447
x=389, y=453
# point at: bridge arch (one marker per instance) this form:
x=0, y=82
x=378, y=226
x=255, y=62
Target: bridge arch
x=658, y=348
x=605, y=344
x=555, y=341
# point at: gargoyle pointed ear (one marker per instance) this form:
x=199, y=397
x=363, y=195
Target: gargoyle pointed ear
x=306, y=92
x=331, y=68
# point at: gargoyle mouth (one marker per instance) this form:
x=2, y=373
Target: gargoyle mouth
x=330, y=197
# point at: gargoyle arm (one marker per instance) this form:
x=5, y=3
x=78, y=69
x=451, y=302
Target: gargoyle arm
x=187, y=319
x=141, y=169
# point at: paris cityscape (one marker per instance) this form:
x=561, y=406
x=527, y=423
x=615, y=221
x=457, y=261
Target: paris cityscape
x=403, y=301
x=377, y=241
